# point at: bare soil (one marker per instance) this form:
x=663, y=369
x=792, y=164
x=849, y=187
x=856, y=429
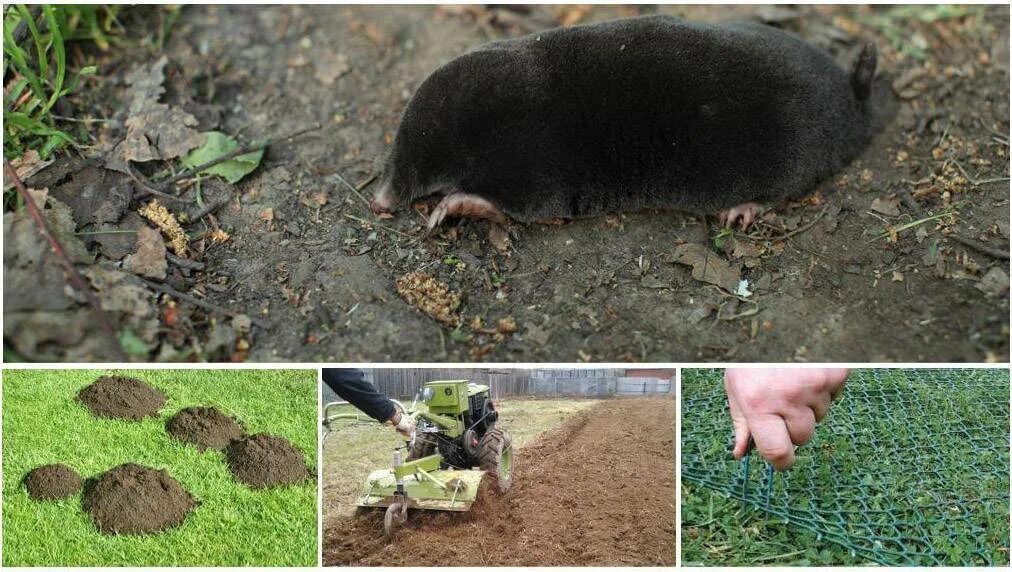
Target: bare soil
x=597, y=491
x=901, y=256
x=52, y=482
x=121, y=398
x=262, y=461
x=204, y=427
x=134, y=499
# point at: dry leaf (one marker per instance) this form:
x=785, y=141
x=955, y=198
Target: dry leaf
x=707, y=266
x=149, y=259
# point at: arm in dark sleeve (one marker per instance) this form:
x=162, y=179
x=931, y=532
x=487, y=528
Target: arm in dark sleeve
x=351, y=385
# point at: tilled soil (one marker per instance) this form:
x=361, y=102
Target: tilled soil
x=598, y=491
x=204, y=427
x=134, y=499
x=52, y=482
x=261, y=461
x=121, y=398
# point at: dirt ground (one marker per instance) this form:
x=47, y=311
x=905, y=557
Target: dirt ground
x=597, y=491
x=887, y=261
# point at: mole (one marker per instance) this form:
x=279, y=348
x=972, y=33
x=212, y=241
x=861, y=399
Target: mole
x=626, y=115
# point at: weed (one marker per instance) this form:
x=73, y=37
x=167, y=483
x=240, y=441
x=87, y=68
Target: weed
x=36, y=77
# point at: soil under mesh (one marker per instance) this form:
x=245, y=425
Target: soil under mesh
x=52, y=482
x=121, y=398
x=262, y=461
x=204, y=427
x=134, y=499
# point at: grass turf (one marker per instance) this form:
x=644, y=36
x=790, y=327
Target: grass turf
x=233, y=525
x=355, y=449
x=716, y=529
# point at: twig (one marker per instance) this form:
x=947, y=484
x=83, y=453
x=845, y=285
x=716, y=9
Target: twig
x=146, y=187
x=907, y=226
x=209, y=208
x=802, y=229
x=353, y=189
x=980, y=246
x=232, y=155
x=73, y=276
x=796, y=231
x=76, y=120
x=907, y=199
x=976, y=182
x=366, y=182
x=378, y=225
x=183, y=262
x=166, y=289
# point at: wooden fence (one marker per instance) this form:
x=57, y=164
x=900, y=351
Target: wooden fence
x=404, y=383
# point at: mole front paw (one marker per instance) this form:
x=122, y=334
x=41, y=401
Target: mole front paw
x=746, y=213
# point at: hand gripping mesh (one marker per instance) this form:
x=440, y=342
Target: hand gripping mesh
x=910, y=467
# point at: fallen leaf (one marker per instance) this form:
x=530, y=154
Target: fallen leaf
x=707, y=266
x=331, y=67
x=994, y=283
x=888, y=206
x=317, y=199
x=507, y=325
x=216, y=145
x=29, y=164
x=149, y=259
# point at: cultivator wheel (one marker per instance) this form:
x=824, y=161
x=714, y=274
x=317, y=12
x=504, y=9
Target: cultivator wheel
x=495, y=456
x=396, y=515
x=422, y=446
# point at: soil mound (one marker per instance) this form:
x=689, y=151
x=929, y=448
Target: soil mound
x=52, y=482
x=121, y=398
x=134, y=499
x=558, y=512
x=204, y=427
x=261, y=461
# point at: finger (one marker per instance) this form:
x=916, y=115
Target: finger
x=800, y=425
x=741, y=433
x=820, y=406
x=773, y=440
x=741, y=437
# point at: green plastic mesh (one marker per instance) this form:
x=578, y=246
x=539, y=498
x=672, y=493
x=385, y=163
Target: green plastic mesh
x=911, y=467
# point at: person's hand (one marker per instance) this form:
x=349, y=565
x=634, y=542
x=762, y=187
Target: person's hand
x=779, y=408
x=404, y=424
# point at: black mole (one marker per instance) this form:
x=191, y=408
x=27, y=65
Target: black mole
x=651, y=112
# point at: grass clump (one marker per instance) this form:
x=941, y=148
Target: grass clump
x=36, y=74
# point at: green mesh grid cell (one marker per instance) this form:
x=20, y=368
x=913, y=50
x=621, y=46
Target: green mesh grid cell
x=911, y=467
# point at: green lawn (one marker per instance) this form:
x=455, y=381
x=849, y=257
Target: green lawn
x=718, y=529
x=910, y=466
x=233, y=525
x=356, y=448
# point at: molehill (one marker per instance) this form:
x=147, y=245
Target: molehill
x=52, y=482
x=262, y=461
x=134, y=499
x=121, y=398
x=204, y=427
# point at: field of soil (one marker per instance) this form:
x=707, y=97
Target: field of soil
x=901, y=256
x=597, y=491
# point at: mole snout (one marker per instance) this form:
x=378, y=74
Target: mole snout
x=383, y=200
x=747, y=115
